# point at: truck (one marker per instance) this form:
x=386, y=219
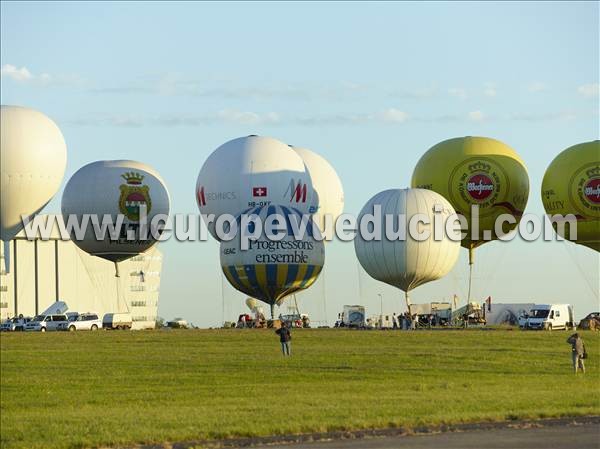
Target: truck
x=353, y=316
x=117, y=321
x=380, y=322
x=550, y=317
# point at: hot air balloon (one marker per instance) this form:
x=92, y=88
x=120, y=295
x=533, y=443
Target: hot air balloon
x=476, y=171
x=271, y=270
x=128, y=189
x=410, y=262
x=33, y=156
x=571, y=185
x=328, y=190
x=251, y=303
x=249, y=172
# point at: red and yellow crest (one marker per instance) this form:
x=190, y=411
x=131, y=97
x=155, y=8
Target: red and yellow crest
x=134, y=196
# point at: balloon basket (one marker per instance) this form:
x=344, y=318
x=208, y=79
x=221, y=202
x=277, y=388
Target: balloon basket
x=273, y=324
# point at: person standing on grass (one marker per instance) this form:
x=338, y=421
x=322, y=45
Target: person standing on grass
x=284, y=337
x=394, y=321
x=577, y=352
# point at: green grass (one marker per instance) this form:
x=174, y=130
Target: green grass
x=107, y=388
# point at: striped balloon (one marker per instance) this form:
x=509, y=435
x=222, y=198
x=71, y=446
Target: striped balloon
x=271, y=283
x=271, y=270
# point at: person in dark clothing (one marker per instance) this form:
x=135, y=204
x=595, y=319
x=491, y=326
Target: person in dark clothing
x=577, y=352
x=284, y=337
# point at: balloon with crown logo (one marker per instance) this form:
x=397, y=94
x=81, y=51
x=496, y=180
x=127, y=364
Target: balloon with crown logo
x=481, y=172
x=121, y=208
x=571, y=185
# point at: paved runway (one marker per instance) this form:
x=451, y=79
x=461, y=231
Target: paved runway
x=584, y=436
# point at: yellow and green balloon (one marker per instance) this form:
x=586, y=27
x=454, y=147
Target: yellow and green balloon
x=478, y=171
x=571, y=185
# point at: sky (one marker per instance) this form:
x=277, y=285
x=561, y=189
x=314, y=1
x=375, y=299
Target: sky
x=369, y=86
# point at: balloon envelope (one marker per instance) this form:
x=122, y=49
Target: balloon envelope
x=115, y=188
x=271, y=270
x=251, y=303
x=476, y=171
x=33, y=156
x=250, y=172
x=407, y=263
x=328, y=190
x=571, y=185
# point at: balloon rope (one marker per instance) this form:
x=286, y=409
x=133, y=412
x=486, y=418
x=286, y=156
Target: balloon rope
x=407, y=302
x=120, y=295
x=272, y=311
x=471, y=260
x=324, y=299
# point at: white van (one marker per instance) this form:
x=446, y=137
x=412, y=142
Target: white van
x=550, y=317
x=43, y=323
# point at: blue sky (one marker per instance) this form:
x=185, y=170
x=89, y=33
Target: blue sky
x=370, y=86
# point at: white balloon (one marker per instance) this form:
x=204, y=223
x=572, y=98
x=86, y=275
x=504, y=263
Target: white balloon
x=33, y=156
x=328, y=190
x=116, y=188
x=408, y=263
x=249, y=172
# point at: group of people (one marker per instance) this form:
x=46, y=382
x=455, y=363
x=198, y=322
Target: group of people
x=407, y=321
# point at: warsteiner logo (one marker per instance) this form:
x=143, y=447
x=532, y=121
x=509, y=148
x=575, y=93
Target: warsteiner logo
x=133, y=196
x=585, y=190
x=479, y=184
x=478, y=181
x=591, y=190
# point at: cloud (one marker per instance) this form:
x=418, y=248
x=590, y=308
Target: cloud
x=489, y=90
x=416, y=93
x=537, y=86
x=566, y=115
x=230, y=116
x=24, y=75
x=386, y=117
x=247, y=118
x=591, y=90
x=16, y=74
x=476, y=116
x=458, y=92
x=393, y=115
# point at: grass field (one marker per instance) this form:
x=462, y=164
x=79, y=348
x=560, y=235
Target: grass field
x=107, y=388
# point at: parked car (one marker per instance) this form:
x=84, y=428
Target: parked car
x=117, y=321
x=82, y=322
x=15, y=324
x=590, y=322
x=43, y=323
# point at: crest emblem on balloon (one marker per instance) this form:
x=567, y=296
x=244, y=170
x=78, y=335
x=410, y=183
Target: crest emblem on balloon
x=476, y=181
x=585, y=187
x=134, y=195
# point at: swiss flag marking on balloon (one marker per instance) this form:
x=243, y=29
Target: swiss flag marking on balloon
x=259, y=191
